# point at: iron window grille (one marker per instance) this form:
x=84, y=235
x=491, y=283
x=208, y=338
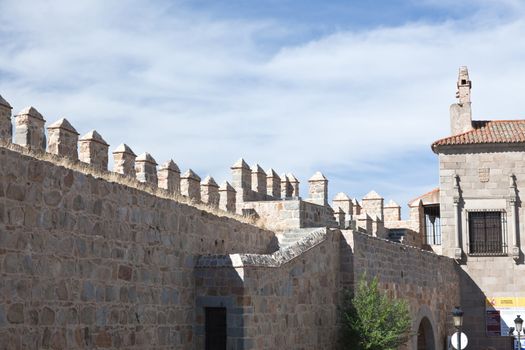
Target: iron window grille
x=487, y=232
x=432, y=225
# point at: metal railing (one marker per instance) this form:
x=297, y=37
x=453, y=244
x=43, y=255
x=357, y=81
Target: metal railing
x=487, y=232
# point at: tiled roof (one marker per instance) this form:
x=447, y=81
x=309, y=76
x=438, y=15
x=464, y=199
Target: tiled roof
x=487, y=131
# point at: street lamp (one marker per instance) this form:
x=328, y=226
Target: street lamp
x=518, y=323
x=457, y=318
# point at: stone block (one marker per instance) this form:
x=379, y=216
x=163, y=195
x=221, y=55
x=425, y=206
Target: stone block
x=146, y=169
x=93, y=150
x=15, y=313
x=124, y=160
x=241, y=175
x=6, y=127
x=169, y=177
x=63, y=139
x=227, y=197
x=190, y=185
x=29, y=129
x=318, y=189
x=273, y=184
x=210, y=192
x=258, y=179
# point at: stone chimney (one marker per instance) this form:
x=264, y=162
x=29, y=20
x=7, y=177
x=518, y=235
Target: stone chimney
x=258, y=179
x=190, y=185
x=124, y=160
x=318, y=191
x=6, y=127
x=210, y=192
x=63, y=139
x=169, y=177
x=227, y=197
x=29, y=130
x=273, y=184
x=94, y=150
x=146, y=169
x=461, y=112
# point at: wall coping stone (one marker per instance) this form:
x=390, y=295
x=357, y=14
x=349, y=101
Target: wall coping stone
x=313, y=238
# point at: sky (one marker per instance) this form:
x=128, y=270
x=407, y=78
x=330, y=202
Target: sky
x=355, y=89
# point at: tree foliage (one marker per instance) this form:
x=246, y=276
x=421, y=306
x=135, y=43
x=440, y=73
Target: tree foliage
x=372, y=320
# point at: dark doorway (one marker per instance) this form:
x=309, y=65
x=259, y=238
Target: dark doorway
x=425, y=335
x=215, y=328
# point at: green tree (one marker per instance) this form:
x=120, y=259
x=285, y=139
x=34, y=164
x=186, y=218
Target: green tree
x=372, y=320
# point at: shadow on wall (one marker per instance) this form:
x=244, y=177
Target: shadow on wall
x=429, y=282
x=477, y=317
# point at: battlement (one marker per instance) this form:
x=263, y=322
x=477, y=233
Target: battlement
x=253, y=194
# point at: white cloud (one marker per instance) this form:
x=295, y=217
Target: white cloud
x=179, y=83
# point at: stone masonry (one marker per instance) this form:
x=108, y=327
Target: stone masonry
x=132, y=258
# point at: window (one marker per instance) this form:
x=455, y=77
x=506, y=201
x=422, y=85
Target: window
x=487, y=234
x=215, y=328
x=432, y=225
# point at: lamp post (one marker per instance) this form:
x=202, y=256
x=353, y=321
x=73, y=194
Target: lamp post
x=457, y=318
x=518, y=323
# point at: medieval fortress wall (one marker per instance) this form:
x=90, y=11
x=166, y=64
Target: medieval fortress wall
x=129, y=259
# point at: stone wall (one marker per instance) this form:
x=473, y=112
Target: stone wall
x=484, y=174
x=429, y=282
x=286, y=300
x=90, y=263
x=290, y=214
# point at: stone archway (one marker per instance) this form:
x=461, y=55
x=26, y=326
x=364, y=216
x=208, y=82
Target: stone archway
x=425, y=335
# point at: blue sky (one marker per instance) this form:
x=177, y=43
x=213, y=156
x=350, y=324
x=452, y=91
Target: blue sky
x=356, y=89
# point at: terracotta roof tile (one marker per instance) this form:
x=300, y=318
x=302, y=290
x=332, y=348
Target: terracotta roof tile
x=487, y=131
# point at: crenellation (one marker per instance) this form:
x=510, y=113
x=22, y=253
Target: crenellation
x=93, y=150
x=258, y=179
x=339, y=215
x=356, y=207
x=341, y=200
x=29, y=129
x=373, y=205
x=63, y=139
x=227, y=200
x=392, y=211
x=6, y=126
x=318, y=189
x=286, y=187
x=146, y=169
x=169, y=177
x=190, y=185
x=210, y=192
x=294, y=183
x=273, y=184
x=114, y=251
x=124, y=160
x=241, y=175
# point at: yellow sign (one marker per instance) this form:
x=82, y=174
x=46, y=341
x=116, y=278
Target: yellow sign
x=505, y=302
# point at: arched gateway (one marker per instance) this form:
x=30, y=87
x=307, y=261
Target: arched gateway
x=425, y=335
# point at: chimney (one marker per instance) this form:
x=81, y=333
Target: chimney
x=461, y=112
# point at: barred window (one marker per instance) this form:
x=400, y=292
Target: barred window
x=487, y=233
x=432, y=225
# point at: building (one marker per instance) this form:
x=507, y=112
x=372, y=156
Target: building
x=146, y=257
x=482, y=178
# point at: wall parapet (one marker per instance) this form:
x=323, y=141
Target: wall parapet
x=276, y=259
